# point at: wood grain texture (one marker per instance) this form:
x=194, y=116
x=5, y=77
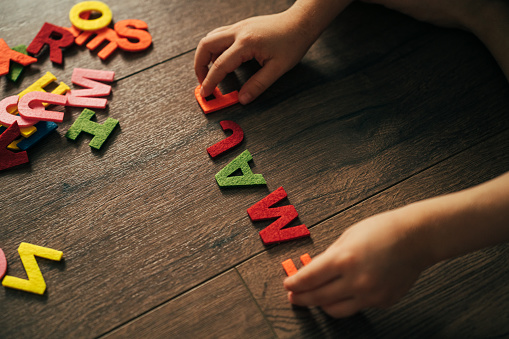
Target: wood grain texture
x=220, y=308
x=462, y=297
x=379, y=98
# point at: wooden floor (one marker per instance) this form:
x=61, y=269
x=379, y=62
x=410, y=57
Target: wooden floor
x=381, y=112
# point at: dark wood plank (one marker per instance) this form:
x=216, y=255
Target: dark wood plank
x=175, y=26
x=221, y=308
x=143, y=220
x=462, y=297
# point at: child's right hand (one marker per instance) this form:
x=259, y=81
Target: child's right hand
x=277, y=42
x=376, y=261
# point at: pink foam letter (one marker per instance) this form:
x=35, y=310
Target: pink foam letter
x=88, y=97
x=7, y=119
x=30, y=106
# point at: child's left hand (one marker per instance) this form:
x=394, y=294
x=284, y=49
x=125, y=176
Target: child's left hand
x=373, y=264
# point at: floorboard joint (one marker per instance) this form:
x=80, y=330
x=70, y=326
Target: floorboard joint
x=256, y=303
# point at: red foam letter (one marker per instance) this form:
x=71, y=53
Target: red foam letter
x=55, y=37
x=230, y=142
x=276, y=232
x=7, y=54
x=221, y=101
x=125, y=30
x=7, y=158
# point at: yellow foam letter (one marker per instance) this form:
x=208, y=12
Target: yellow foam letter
x=35, y=282
x=93, y=24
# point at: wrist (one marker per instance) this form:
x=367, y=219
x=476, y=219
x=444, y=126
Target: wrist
x=314, y=16
x=458, y=223
x=413, y=222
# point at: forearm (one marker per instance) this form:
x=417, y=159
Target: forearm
x=458, y=223
x=491, y=26
x=316, y=15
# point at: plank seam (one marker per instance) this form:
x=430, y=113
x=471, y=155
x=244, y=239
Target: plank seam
x=155, y=65
x=409, y=177
x=255, y=302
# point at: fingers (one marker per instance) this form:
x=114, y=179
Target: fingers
x=218, y=30
x=225, y=63
x=227, y=49
x=334, y=292
x=343, y=309
x=260, y=81
x=317, y=273
x=208, y=50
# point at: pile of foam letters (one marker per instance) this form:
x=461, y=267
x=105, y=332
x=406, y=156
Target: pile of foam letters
x=30, y=119
x=24, y=119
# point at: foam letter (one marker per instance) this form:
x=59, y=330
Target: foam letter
x=221, y=101
x=43, y=129
x=44, y=81
x=230, y=142
x=35, y=282
x=16, y=68
x=289, y=266
x=3, y=264
x=7, y=54
x=39, y=85
x=80, y=22
x=83, y=124
x=105, y=34
x=13, y=146
x=7, y=158
x=85, y=78
x=7, y=119
x=248, y=178
x=55, y=37
x=125, y=30
x=30, y=106
x=276, y=232
x=305, y=259
x=74, y=31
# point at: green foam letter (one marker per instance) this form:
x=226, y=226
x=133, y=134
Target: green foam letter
x=225, y=178
x=83, y=124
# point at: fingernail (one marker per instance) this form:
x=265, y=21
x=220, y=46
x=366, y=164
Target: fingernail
x=245, y=98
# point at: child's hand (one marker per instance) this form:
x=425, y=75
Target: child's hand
x=373, y=264
x=277, y=42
